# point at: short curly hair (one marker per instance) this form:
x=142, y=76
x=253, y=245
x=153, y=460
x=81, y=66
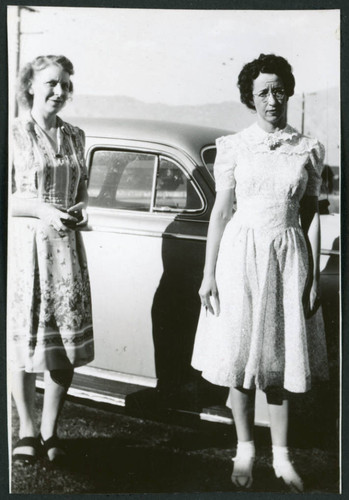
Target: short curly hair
x=266, y=63
x=24, y=98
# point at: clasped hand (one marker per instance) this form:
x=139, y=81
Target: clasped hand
x=75, y=216
x=207, y=290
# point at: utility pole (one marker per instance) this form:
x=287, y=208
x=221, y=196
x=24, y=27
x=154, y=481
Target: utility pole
x=20, y=8
x=303, y=106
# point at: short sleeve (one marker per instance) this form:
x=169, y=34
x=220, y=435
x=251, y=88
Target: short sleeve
x=24, y=168
x=79, y=144
x=224, y=165
x=314, y=168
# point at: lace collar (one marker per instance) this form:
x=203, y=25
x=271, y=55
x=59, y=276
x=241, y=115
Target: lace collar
x=272, y=140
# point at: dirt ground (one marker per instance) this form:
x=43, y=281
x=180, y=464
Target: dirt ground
x=110, y=452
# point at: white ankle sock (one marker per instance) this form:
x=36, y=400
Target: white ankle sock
x=280, y=454
x=245, y=449
x=283, y=468
x=243, y=464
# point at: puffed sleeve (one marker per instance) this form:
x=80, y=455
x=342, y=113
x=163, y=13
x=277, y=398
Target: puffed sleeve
x=314, y=168
x=224, y=165
x=24, y=169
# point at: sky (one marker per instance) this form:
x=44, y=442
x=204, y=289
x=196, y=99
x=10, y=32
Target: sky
x=177, y=56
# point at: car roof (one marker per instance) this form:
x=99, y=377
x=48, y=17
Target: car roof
x=190, y=138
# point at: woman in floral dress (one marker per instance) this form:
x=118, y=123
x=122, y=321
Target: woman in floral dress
x=261, y=326
x=49, y=305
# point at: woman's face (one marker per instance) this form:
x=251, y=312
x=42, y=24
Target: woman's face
x=50, y=89
x=270, y=101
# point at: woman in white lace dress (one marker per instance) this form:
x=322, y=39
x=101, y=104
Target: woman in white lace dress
x=260, y=325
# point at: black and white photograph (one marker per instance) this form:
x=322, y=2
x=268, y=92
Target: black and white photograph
x=173, y=317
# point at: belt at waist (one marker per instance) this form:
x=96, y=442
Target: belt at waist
x=258, y=215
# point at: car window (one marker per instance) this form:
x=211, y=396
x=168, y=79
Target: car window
x=174, y=190
x=208, y=155
x=121, y=179
x=329, y=195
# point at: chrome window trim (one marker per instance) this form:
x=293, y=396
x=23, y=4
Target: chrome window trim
x=158, y=153
x=153, y=187
x=134, y=146
x=191, y=180
x=139, y=214
x=324, y=251
x=203, y=150
x=146, y=232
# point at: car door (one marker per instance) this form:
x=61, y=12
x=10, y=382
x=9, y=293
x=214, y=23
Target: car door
x=148, y=215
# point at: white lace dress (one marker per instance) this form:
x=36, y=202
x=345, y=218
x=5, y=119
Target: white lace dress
x=261, y=337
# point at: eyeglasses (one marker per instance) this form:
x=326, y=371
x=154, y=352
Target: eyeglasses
x=278, y=94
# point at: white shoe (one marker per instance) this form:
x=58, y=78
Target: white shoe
x=286, y=471
x=242, y=472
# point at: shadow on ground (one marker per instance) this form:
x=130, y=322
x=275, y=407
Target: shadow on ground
x=110, y=452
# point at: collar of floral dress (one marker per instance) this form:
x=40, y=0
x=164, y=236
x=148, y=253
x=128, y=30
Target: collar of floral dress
x=30, y=124
x=271, y=140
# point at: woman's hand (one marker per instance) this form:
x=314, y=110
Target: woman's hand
x=310, y=220
x=312, y=299
x=79, y=211
x=207, y=290
x=313, y=295
x=54, y=217
x=221, y=214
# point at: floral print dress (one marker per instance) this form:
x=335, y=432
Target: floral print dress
x=261, y=337
x=49, y=301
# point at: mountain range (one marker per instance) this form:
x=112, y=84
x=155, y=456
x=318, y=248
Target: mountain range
x=321, y=114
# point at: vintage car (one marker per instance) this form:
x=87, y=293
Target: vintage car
x=151, y=191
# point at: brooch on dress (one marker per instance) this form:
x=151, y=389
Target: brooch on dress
x=272, y=142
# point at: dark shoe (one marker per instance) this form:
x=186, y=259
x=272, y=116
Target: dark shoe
x=24, y=458
x=49, y=444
